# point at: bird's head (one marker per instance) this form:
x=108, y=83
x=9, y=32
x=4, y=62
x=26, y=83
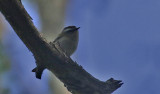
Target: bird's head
x=70, y=29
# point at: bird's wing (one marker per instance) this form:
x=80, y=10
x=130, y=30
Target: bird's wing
x=59, y=36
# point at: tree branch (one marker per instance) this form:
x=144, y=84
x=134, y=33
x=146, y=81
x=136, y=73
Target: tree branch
x=74, y=77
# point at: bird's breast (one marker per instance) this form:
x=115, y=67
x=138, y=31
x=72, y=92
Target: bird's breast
x=68, y=45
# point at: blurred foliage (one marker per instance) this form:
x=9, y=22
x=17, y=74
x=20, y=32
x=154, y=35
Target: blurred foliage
x=4, y=91
x=4, y=61
x=1, y=27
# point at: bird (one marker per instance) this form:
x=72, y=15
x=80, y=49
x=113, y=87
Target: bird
x=68, y=39
x=68, y=42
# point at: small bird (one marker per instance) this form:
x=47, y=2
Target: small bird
x=68, y=39
x=68, y=42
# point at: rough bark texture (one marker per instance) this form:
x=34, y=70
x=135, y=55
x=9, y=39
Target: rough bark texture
x=50, y=57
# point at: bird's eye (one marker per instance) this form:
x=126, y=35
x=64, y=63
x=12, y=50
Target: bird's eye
x=70, y=31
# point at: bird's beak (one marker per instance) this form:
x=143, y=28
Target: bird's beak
x=77, y=28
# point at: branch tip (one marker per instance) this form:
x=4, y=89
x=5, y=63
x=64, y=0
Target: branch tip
x=38, y=72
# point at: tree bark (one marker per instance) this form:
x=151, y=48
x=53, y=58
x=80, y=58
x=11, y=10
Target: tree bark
x=50, y=57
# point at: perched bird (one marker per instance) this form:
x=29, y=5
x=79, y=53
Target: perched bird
x=68, y=39
x=68, y=42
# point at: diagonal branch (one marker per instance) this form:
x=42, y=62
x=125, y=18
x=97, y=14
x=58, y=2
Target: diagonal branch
x=74, y=77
